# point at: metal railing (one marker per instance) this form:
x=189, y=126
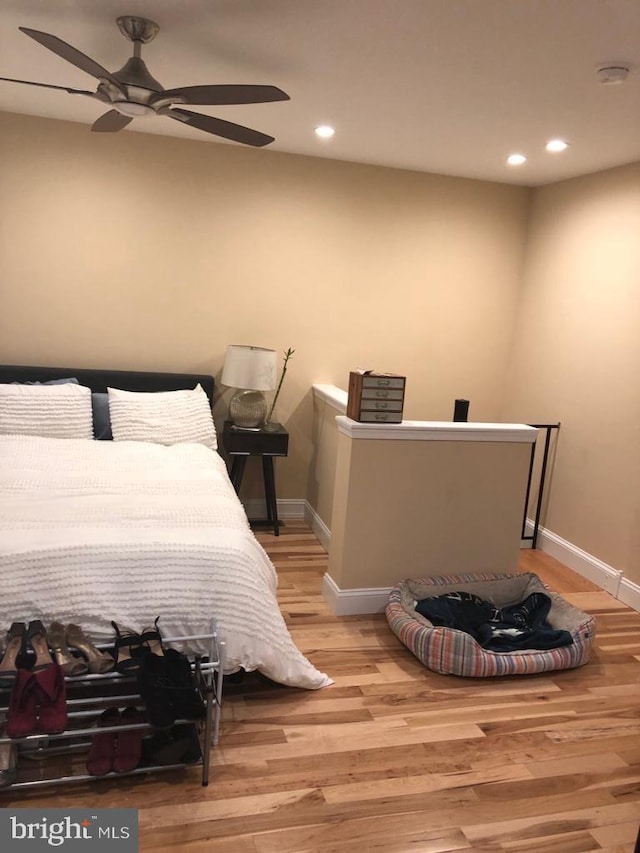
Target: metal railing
x=548, y=428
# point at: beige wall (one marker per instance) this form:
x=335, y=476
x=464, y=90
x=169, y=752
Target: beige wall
x=143, y=251
x=139, y=251
x=453, y=507
x=576, y=358
x=322, y=470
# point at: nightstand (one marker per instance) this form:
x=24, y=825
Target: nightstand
x=242, y=443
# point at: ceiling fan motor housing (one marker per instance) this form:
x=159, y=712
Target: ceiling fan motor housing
x=135, y=73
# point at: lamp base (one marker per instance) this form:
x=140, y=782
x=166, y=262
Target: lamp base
x=248, y=409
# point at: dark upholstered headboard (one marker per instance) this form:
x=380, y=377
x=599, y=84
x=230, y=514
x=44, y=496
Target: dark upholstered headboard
x=99, y=380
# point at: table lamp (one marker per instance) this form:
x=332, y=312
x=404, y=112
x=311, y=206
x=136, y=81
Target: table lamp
x=252, y=370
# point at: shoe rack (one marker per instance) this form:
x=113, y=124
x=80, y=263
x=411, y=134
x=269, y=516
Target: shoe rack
x=89, y=695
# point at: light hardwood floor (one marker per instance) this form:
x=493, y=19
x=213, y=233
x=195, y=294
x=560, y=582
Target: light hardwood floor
x=393, y=757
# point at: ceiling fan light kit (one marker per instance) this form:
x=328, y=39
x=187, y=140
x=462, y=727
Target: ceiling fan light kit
x=132, y=92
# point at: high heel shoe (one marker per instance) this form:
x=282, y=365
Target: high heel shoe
x=153, y=681
x=151, y=640
x=48, y=683
x=15, y=644
x=97, y=661
x=127, y=641
x=69, y=664
x=39, y=642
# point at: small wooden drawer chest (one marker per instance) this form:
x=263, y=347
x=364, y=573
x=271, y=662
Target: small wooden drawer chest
x=375, y=397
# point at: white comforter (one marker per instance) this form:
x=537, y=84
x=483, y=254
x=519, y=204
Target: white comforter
x=92, y=531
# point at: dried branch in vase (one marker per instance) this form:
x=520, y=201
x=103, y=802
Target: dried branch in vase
x=285, y=359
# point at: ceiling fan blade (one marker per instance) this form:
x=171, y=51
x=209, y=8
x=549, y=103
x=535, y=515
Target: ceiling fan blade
x=223, y=94
x=51, y=86
x=111, y=122
x=72, y=55
x=219, y=127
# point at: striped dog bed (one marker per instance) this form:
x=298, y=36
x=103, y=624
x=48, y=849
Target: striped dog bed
x=450, y=651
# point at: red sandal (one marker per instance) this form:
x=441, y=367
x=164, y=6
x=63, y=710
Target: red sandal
x=51, y=692
x=22, y=714
x=50, y=689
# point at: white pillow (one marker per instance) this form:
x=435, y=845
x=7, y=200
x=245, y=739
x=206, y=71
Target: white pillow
x=51, y=411
x=162, y=417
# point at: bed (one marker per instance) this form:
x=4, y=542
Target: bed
x=139, y=525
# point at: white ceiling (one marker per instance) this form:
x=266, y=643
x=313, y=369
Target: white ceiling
x=445, y=86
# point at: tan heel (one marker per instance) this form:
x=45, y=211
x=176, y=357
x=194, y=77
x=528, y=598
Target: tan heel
x=15, y=643
x=98, y=661
x=69, y=664
x=39, y=642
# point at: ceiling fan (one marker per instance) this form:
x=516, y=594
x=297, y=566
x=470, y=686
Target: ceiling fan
x=132, y=92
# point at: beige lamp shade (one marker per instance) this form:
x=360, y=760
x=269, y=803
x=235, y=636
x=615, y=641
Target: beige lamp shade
x=251, y=370
x=248, y=367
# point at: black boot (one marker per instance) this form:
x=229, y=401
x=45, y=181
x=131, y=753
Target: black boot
x=156, y=689
x=187, y=701
x=178, y=745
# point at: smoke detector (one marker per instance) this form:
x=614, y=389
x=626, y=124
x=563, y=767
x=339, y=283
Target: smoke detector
x=610, y=75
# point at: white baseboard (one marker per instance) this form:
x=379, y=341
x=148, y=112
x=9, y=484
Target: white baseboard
x=360, y=601
x=287, y=508
x=584, y=564
x=318, y=526
x=292, y=508
x=629, y=593
x=353, y=602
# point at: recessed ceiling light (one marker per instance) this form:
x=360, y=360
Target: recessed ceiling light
x=324, y=131
x=556, y=145
x=516, y=159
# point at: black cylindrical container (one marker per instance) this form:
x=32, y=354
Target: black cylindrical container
x=461, y=410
